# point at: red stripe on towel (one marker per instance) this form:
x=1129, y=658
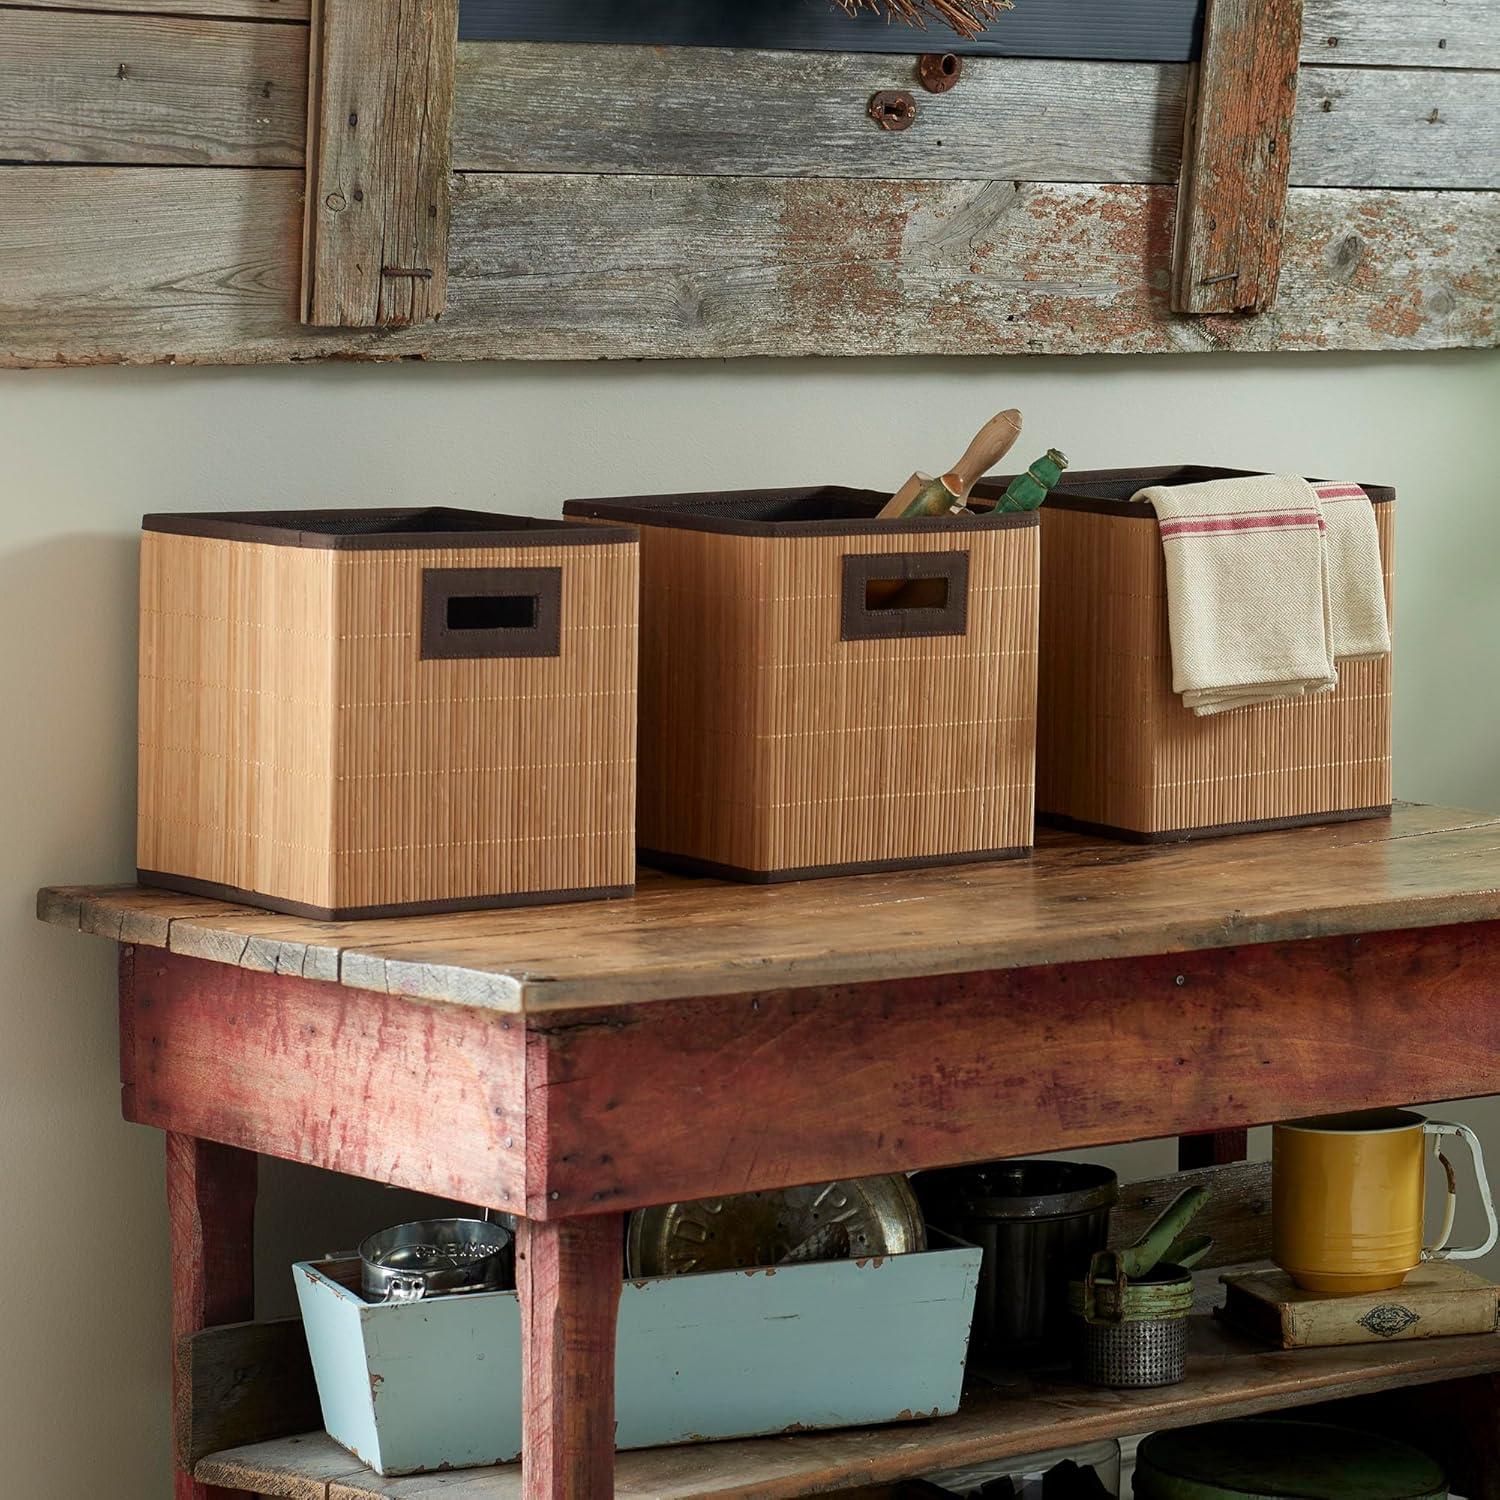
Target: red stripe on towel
x=1280, y=520
x=1340, y=492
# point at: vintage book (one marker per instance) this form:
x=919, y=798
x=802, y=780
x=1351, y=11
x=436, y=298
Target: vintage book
x=1434, y=1300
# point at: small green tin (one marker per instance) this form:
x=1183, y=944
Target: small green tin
x=1270, y=1458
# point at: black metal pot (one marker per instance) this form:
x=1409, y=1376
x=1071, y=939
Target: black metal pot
x=1038, y=1223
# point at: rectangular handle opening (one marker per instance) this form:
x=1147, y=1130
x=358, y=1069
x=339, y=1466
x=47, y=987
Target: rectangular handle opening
x=891, y=595
x=906, y=593
x=491, y=612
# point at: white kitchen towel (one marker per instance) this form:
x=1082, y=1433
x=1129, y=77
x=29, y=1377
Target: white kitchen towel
x=1356, y=582
x=1248, y=595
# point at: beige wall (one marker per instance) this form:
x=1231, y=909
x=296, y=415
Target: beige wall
x=83, y=1366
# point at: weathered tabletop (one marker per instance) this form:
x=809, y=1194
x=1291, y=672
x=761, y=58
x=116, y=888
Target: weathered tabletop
x=1076, y=899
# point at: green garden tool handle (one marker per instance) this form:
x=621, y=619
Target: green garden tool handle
x=1188, y=1251
x=1152, y=1246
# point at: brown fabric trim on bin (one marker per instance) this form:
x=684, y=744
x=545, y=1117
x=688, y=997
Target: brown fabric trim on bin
x=234, y=894
x=442, y=642
x=1216, y=831
x=858, y=622
x=340, y=530
x=849, y=512
x=1082, y=491
x=685, y=864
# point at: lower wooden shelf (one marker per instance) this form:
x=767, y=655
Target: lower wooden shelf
x=1227, y=1376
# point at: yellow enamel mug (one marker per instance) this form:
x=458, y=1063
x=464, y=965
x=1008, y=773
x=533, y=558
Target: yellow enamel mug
x=1348, y=1195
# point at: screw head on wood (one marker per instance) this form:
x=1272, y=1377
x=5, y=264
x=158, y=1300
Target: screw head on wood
x=892, y=109
x=939, y=71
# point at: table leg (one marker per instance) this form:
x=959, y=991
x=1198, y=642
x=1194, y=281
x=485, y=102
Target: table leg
x=1212, y=1148
x=211, y=1214
x=568, y=1273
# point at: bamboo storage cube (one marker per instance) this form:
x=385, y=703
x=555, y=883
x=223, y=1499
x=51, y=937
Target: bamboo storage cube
x=795, y=720
x=361, y=713
x=1117, y=750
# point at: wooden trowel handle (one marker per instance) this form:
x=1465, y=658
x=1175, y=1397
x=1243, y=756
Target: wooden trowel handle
x=991, y=443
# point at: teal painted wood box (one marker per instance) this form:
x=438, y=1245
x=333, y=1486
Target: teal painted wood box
x=415, y=1386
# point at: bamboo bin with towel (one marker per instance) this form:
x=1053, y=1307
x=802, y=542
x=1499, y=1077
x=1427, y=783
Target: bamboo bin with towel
x=824, y=692
x=1118, y=752
x=370, y=712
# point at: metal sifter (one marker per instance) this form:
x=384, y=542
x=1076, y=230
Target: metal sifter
x=433, y=1258
x=1134, y=1303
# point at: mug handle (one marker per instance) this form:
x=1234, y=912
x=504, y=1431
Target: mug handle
x=1439, y=1250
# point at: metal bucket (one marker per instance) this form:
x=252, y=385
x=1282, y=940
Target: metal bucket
x=1038, y=1223
x=1134, y=1334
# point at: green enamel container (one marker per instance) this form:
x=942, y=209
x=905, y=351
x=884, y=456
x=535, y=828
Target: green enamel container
x=1274, y=1459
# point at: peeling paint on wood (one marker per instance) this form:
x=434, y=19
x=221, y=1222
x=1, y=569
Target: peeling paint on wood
x=722, y=267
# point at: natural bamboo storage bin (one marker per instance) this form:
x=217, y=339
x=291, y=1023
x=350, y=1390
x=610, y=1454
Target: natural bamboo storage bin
x=1118, y=753
x=359, y=713
x=796, y=721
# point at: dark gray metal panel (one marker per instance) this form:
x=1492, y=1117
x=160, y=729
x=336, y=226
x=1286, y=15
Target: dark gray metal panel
x=1145, y=30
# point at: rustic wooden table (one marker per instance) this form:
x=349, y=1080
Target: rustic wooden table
x=572, y=1063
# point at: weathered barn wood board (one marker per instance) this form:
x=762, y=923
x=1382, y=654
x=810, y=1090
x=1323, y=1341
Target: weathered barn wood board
x=1413, y=34
x=151, y=265
x=379, y=138
x=150, y=89
x=251, y=10
x=1227, y=1376
x=1077, y=898
x=1236, y=154
x=703, y=111
x=697, y=111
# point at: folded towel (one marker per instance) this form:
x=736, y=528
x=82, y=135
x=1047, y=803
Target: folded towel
x=1263, y=591
x=1356, y=582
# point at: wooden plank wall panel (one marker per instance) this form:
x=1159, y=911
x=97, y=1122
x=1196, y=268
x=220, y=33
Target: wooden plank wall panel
x=1236, y=155
x=149, y=265
x=380, y=135
x=1408, y=34
x=244, y=10
x=540, y=107
x=150, y=89
x=535, y=107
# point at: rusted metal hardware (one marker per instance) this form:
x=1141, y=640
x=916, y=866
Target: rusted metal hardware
x=939, y=71
x=893, y=109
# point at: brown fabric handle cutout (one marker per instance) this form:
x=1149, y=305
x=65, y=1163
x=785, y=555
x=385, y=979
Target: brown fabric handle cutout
x=491, y=612
x=899, y=595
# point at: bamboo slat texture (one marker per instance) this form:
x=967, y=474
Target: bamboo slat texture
x=1116, y=748
x=777, y=742
x=298, y=747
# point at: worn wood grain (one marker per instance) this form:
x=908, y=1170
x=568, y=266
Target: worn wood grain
x=211, y=1232
x=183, y=91
x=428, y=1097
x=1077, y=898
x=568, y=1274
x=694, y=111
x=1231, y=198
x=1227, y=1376
x=379, y=139
x=147, y=265
x=1397, y=127
x=704, y=111
x=291, y=11
x=1416, y=33
x=696, y=1098
x=1237, y=1214
x=242, y=1383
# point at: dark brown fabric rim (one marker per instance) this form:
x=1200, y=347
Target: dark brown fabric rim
x=285, y=528
x=1212, y=831
x=679, y=512
x=236, y=895
x=685, y=864
x=1073, y=493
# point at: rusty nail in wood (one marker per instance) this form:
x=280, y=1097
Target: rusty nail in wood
x=892, y=109
x=939, y=71
x=1215, y=280
x=420, y=273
